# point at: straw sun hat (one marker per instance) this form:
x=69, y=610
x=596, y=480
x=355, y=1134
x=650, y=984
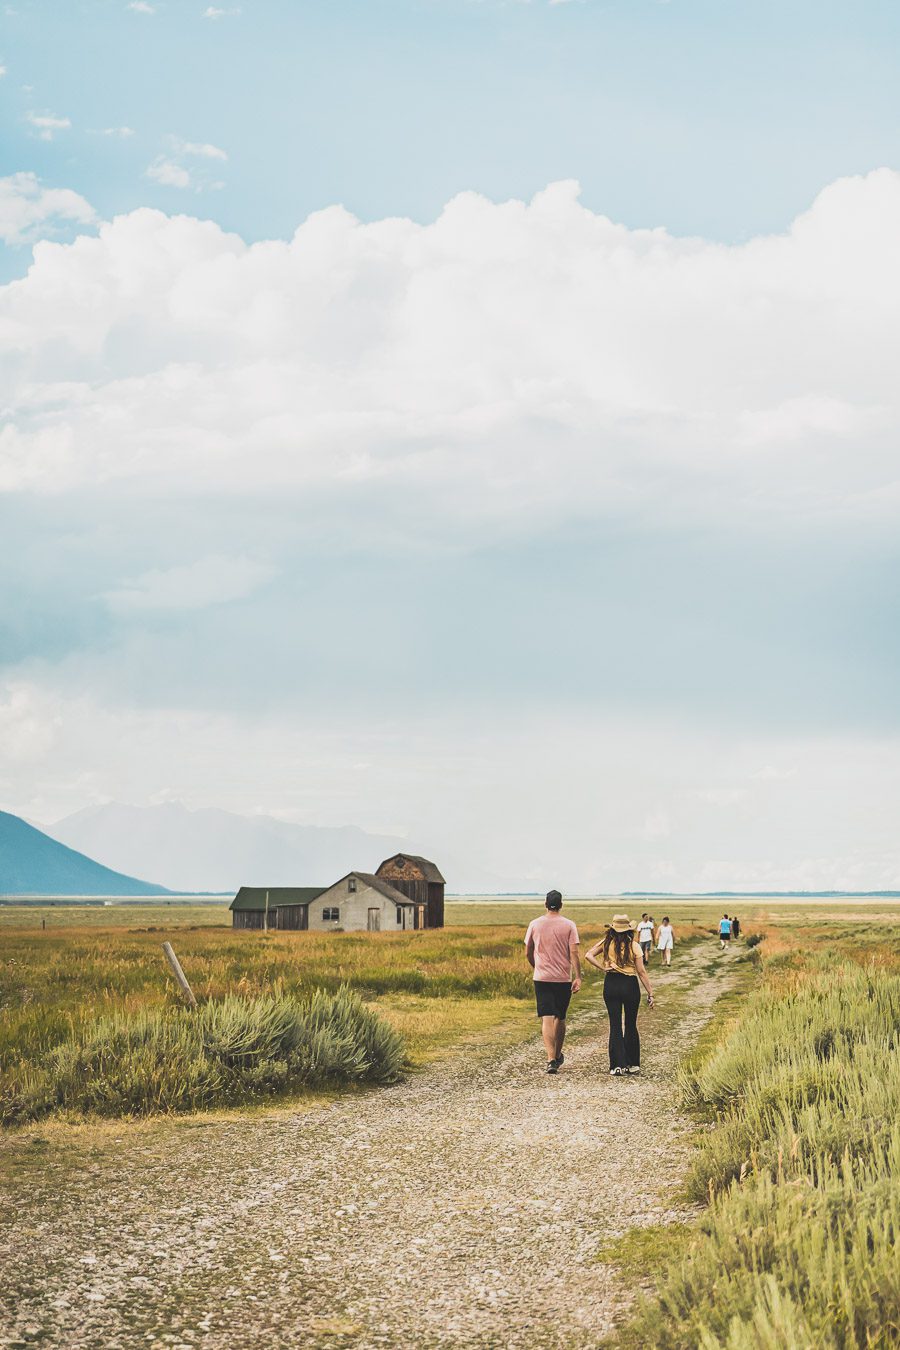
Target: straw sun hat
x=621, y=923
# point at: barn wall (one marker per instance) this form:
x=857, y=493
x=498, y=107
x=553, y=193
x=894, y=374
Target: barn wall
x=354, y=909
x=291, y=917
x=435, y=904
x=250, y=918
x=415, y=889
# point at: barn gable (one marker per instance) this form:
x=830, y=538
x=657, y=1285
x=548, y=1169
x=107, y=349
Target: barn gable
x=420, y=880
x=411, y=866
x=362, y=901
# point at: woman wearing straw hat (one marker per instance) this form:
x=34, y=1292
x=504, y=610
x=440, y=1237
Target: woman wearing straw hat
x=620, y=958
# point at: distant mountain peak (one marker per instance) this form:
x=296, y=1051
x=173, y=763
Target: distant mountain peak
x=34, y=863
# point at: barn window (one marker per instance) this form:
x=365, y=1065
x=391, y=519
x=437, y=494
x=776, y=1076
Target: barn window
x=399, y=914
x=330, y=913
x=351, y=884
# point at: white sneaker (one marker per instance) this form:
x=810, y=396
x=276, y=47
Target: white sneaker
x=633, y=1068
x=617, y=1073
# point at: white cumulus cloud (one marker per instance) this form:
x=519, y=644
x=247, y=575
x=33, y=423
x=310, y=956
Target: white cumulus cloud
x=46, y=125
x=200, y=150
x=167, y=173
x=169, y=168
x=507, y=362
x=29, y=211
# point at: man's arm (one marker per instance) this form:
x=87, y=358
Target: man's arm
x=576, y=966
x=529, y=950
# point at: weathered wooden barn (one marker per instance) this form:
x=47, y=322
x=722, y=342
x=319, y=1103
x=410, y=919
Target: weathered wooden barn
x=248, y=908
x=422, y=882
x=406, y=892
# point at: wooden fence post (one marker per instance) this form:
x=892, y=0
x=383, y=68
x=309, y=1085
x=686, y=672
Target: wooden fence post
x=179, y=974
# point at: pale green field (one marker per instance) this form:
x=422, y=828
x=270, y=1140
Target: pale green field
x=154, y=914
x=691, y=912
x=688, y=911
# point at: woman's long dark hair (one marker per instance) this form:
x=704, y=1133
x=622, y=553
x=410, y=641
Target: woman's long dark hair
x=623, y=944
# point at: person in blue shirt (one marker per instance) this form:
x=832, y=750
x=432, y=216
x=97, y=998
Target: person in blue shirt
x=724, y=931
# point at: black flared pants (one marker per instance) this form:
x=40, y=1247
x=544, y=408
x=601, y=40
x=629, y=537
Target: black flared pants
x=622, y=996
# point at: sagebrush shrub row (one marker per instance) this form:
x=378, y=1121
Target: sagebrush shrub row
x=801, y=1171
x=227, y=1052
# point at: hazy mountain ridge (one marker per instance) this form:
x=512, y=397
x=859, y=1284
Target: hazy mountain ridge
x=214, y=850
x=34, y=863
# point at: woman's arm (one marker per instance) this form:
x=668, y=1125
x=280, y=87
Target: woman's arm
x=642, y=972
x=590, y=956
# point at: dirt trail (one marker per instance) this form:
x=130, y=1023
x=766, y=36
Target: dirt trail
x=462, y=1208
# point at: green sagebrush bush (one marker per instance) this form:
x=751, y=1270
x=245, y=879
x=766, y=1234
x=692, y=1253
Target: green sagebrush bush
x=226, y=1052
x=801, y=1170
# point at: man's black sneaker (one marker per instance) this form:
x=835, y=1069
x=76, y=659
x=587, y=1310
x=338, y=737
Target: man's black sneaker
x=552, y=1066
x=560, y=1059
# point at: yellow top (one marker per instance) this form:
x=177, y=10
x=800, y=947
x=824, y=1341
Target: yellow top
x=609, y=963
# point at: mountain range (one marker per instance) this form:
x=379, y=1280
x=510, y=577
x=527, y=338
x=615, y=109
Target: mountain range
x=31, y=863
x=214, y=850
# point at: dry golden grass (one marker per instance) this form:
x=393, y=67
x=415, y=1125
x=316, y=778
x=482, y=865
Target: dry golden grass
x=55, y=982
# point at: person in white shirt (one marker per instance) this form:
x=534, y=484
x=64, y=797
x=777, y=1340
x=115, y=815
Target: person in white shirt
x=645, y=936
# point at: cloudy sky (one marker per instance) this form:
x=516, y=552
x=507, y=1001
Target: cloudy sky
x=471, y=420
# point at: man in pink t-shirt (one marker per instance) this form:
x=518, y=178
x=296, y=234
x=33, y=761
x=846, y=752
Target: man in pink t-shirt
x=551, y=945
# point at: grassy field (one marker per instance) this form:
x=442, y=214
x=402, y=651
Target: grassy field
x=65, y=968
x=72, y=973
x=94, y=966
x=798, y=1088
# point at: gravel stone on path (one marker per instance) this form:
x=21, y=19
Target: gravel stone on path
x=463, y=1207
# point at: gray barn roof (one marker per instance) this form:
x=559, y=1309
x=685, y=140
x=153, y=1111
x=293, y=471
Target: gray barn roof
x=254, y=897
x=430, y=870
x=378, y=884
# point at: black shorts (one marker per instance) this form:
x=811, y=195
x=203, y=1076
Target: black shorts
x=725, y=937
x=552, y=997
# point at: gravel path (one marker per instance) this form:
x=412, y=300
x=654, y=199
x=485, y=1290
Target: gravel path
x=462, y=1208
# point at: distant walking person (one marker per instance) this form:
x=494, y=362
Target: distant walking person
x=735, y=927
x=551, y=945
x=645, y=936
x=665, y=940
x=724, y=931
x=620, y=958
